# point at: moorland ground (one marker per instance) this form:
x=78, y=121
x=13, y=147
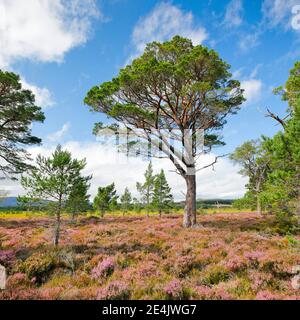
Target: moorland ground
x=228, y=256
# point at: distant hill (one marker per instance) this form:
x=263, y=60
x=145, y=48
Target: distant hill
x=9, y=202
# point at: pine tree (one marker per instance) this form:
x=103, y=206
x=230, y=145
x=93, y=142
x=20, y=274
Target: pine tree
x=78, y=200
x=126, y=200
x=53, y=179
x=251, y=155
x=175, y=87
x=283, y=187
x=146, y=188
x=17, y=113
x=106, y=199
x=162, y=197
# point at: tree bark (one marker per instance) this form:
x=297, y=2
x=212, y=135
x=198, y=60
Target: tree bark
x=57, y=229
x=258, y=204
x=102, y=213
x=189, y=217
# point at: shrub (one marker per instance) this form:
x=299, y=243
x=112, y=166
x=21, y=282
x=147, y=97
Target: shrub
x=267, y=295
x=104, y=268
x=38, y=266
x=116, y=290
x=175, y=290
x=215, y=275
x=204, y=292
x=235, y=263
x=7, y=257
x=183, y=265
x=18, y=280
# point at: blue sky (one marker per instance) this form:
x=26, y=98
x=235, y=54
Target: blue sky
x=63, y=48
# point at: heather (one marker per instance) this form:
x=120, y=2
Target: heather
x=226, y=256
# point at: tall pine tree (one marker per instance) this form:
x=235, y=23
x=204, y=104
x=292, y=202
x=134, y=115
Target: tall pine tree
x=146, y=189
x=78, y=201
x=162, y=197
x=126, y=200
x=17, y=113
x=53, y=179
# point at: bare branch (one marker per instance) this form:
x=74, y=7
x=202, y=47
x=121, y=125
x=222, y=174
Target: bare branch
x=213, y=163
x=276, y=118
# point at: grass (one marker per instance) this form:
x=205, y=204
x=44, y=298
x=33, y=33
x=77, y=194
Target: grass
x=116, y=213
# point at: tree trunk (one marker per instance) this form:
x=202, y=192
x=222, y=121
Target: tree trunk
x=57, y=229
x=102, y=213
x=258, y=204
x=147, y=209
x=189, y=218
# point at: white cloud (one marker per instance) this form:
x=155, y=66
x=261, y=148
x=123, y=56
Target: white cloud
x=255, y=71
x=275, y=14
x=278, y=12
x=233, y=15
x=162, y=23
x=59, y=135
x=107, y=166
x=43, y=30
x=253, y=88
x=250, y=41
x=43, y=96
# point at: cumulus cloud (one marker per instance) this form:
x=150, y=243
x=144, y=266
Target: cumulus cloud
x=43, y=96
x=107, y=166
x=233, y=14
x=43, y=30
x=164, y=22
x=253, y=89
x=59, y=134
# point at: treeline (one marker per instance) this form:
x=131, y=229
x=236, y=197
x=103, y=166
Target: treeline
x=155, y=195
x=273, y=164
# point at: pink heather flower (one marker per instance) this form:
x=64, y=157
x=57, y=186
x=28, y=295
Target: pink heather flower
x=17, y=279
x=174, y=289
x=258, y=279
x=235, y=263
x=116, y=290
x=6, y=257
x=50, y=293
x=267, y=295
x=184, y=264
x=221, y=291
x=104, y=268
x=204, y=292
x=254, y=256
